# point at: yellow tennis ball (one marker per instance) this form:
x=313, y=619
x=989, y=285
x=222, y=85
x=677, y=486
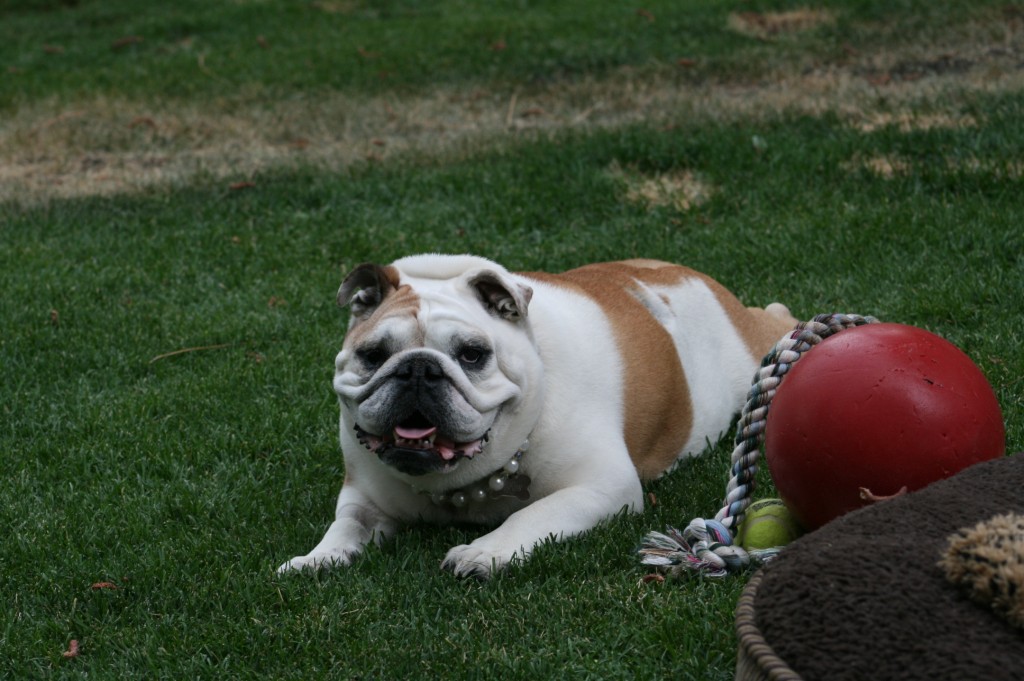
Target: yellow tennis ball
x=767, y=524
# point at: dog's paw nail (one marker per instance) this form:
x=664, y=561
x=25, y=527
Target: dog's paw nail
x=472, y=561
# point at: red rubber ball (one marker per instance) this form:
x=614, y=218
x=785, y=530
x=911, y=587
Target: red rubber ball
x=880, y=407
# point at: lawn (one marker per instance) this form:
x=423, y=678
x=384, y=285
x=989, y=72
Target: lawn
x=184, y=185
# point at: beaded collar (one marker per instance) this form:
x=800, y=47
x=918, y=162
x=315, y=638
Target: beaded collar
x=507, y=481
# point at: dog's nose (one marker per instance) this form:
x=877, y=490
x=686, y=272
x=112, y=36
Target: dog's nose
x=417, y=369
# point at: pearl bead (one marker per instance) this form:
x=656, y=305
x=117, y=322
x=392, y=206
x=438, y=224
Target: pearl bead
x=525, y=446
x=486, y=489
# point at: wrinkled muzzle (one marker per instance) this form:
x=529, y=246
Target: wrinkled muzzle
x=417, y=422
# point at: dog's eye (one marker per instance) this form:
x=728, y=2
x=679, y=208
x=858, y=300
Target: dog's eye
x=472, y=355
x=372, y=356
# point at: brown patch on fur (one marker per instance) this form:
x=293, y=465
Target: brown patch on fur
x=399, y=299
x=404, y=300
x=392, y=275
x=759, y=328
x=654, y=435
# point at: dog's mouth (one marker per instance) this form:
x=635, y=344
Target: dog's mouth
x=417, y=447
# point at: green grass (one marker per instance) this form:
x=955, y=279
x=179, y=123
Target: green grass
x=185, y=480
x=276, y=48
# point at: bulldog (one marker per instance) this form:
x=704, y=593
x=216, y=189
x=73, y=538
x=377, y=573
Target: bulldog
x=534, y=403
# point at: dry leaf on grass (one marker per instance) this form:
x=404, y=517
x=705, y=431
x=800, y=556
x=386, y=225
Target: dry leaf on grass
x=72, y=651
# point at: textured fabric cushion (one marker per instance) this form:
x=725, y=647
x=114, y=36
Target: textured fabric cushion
x=865, y=598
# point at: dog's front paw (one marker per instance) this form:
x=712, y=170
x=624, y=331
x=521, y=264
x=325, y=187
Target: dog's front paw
x=316, y=561
x=477, y=560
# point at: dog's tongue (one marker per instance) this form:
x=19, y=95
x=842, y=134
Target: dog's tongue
x=407, y=433
x=442, y=445
x=445, y=447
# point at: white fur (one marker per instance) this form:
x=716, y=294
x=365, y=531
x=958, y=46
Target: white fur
x=716, y=361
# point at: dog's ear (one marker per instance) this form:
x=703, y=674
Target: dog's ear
x=365, y=288
x=501, y=295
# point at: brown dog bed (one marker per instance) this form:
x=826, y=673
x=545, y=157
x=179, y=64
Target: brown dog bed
x=865, y=597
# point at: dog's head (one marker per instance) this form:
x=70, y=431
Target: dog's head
x=437, y=361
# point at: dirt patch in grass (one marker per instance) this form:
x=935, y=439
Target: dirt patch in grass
x=907, y=121
x=766, y=25
x=887, y=167
x=891, y=166
x=106, y=146
x=680, y=189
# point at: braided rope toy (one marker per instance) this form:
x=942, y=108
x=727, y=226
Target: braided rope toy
x=706, y=545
